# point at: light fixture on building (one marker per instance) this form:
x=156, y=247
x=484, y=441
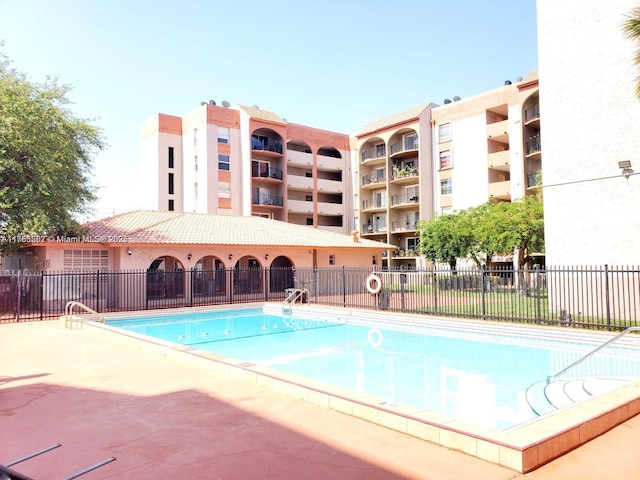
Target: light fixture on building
x=625, y=165
x=230, y=256
x=189, y=257
x=128, y=251
x=266, y=257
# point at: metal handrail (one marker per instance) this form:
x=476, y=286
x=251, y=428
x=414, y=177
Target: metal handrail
x=68, y=311
x=588, y=355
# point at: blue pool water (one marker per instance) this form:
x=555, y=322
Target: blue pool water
x=478, y=376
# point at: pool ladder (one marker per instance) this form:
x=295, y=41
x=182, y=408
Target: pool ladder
x=70, y=319
x=293, y=296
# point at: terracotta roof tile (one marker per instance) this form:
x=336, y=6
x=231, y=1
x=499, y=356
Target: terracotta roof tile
x=153, y=227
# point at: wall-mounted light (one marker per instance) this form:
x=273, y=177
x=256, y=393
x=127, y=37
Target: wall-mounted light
x=625, y=165
x=128, y=251
x=230, y=256
x=189, y=257
x=266, y=257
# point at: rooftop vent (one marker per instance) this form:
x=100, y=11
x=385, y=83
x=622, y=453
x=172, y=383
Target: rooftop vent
x=225, y=104
x=447, y=101
x=211, y=102
x=456, y=98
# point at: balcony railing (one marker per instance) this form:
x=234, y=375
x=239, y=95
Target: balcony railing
x=373, y=179
x=532, y=113
x=404, y=172
x=267, y=146
x=274, y=173
x=404, y=198
x=533, y=145
x=376, y=152
x=407, y=143
x=264, y=199
x=533, y=180
x=374, y=228
x=378, y=203
x=403, y=226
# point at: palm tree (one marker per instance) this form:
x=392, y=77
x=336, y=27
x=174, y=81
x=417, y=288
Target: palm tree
x=631, y=28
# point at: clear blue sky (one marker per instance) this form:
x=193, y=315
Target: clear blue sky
x=332, y=64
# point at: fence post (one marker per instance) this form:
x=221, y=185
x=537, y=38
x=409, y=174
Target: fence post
x=41, y=294
x=434, y=279
x=606, y=293
x=483, y=304
x=266, y=285
x=18, y=295
x=538, y=299
x=344, y=288
x=98, y=290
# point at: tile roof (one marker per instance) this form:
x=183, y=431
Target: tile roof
x=184, y=228
x=262, y=114
x=394, y=119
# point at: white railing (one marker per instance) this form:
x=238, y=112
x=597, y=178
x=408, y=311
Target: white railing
x=70, y=318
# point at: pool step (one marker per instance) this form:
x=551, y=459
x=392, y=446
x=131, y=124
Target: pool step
x=546, y=397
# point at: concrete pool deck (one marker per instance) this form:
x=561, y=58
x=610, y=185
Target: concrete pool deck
x=162, y=414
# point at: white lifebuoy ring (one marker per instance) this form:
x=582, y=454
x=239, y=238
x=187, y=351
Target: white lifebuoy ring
x=374, y=284
x=374, y=337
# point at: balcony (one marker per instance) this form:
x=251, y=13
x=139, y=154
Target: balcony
x=371, y=181
x=407, y=146
x=532, y=115
x=403, y=175
x=266, y=146
x=269, y=173
x=330, y=186
x=404, y=200
x=398, y=227
x=534, y=180
x=326, y=208
x=267, y=200
x=300, y=206
x=373, y=205
x=297, y=158
x=373, y=228
x=499, y=160
x=297, y=182
x=374, y=155
x=329, y=163
x=499, y=131
x=533, y=146
x=500, y=190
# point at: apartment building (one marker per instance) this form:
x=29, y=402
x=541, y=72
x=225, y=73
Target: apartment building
x=591, y=118
x=247, y=161
x=394, y=182
x=487, y=146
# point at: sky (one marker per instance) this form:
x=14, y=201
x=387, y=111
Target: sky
x=329, y=64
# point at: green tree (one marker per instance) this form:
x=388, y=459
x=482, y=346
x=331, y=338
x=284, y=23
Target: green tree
x=445, y=239
x=631, y=28
x=45, y=157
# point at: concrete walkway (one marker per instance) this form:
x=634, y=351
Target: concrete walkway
x=165, y=415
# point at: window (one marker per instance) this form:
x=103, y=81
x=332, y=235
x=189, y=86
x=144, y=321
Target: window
x=332, y=259
x=170, y=184
x=195, y=191
x=380, y=150
x=260, y=168
x=446, y=187
x=308, y=175
x=224, y=190
x=195, y=163
x=310, y=221
x=444, y=132
x=223, y=135
x=412, y=243
x=410, y=141
x=195, y=136
x=374, y=260
x=85, y=260
x=223, y=162
x=445, y=159
x=446, y=210
x=170, y=207
x=171, y=157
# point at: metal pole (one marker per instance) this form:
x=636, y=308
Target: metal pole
x=90, y=469
x=606, y=293
x=31, y=455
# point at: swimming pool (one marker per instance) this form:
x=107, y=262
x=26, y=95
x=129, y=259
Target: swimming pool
x=479, y=374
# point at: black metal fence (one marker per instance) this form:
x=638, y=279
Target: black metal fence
x=600, y=297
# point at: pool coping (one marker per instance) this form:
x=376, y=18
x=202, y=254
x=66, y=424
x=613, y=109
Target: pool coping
x=522, y=448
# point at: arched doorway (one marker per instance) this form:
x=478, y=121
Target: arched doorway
x=165, y=278
x=247, y=276
x=208, y=277
x=280, y=274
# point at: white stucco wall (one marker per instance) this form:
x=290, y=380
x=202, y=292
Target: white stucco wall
x=590, y=119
